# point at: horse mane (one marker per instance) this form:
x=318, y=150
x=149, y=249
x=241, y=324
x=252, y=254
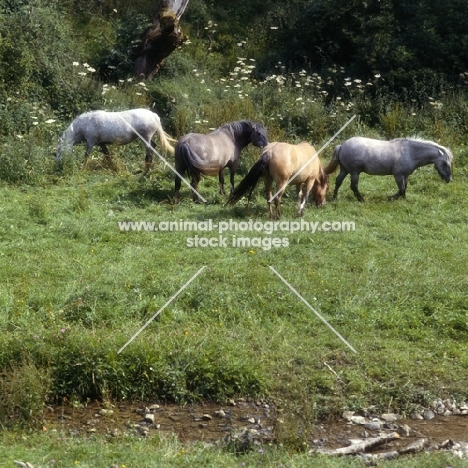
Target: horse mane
x=418, y=139
x=237, y=127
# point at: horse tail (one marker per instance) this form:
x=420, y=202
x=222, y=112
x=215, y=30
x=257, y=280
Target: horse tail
x=184, y=156
x=249, y=182
x=165, y=139
x=333, y=164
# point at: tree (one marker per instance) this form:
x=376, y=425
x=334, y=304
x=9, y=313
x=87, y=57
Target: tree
x=160, y=39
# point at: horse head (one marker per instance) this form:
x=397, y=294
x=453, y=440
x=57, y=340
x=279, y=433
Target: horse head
x=320, y=188
x=443, y=164
x=259, y=137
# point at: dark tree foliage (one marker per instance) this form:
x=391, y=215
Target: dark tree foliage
x=402, y=40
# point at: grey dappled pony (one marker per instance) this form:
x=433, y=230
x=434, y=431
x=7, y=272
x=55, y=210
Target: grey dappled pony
x=400, y=158
x=101, y=128
x=208, y=154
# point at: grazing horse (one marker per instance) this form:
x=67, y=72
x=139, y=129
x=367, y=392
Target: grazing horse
x=209, y=154
x=280, y=162
x=398, y=157
x=102, y=128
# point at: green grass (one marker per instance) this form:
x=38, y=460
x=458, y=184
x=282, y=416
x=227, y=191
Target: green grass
x=59, y=450
x=74, y=290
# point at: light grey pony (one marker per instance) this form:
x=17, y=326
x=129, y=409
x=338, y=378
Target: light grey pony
x=398, y=157
x=101, y=128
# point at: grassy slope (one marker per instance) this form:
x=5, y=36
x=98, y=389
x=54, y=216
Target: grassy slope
x=74, y=285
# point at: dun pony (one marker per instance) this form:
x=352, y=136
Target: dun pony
x=279, y=162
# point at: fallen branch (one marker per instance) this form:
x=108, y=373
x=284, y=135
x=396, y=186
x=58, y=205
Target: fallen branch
x=416, y=446
x=361, y=447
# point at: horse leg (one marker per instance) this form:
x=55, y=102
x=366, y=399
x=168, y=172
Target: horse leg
x=232, y=171
x=89, y=148
x=221, y=182
x=106, y=152
x=354, y=186
x=282, y=185
x=149, y=155
x=278, y=204
x=268, y=188
x=194, y=184
x=402, y=182
x=300, y=208
x=178, y=181
x=308, y=187
x=339, y=180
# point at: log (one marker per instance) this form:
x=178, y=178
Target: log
x=160, y=39
x=361, y=447
x=414, y=447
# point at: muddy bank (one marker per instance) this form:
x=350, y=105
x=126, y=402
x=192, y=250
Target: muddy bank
x=213, y=422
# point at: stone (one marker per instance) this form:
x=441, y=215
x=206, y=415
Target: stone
x=373, y=426
x=390, y=417
x=358, y=419
x=427, y=415
x=404, y=430
x=149, y=418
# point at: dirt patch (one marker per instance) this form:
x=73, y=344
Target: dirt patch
x=202, y=422
x=212, y=422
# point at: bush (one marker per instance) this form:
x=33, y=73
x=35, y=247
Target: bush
x=24, y=389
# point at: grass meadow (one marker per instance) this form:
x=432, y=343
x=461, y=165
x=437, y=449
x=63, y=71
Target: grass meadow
x=75, y=288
